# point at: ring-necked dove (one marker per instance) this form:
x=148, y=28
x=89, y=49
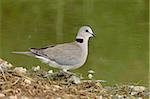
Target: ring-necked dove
x=65, y=56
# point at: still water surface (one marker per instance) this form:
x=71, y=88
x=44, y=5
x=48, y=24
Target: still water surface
x=118, y=54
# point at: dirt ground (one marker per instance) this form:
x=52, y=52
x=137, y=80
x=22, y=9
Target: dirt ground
x=19, y=83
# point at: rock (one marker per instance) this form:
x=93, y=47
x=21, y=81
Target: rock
x=27, y=81
x=5, y=65
x=24, y=97
x=20, y=70
x=133, y=93
x=74, y=79
x=2, y=95
x=13, y=97
x=139, y=88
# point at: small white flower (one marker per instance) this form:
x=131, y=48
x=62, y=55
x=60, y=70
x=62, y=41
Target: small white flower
x=91, y=72
x=37, y=68
x=50, y=71
x=90, y=76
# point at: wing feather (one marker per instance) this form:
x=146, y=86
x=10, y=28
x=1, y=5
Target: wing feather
x=64, y=54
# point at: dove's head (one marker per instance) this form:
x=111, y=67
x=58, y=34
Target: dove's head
x=85, y=32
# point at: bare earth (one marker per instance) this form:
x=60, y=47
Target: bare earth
x=32, y=84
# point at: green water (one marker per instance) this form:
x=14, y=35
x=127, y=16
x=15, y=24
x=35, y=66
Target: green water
x=118, y=54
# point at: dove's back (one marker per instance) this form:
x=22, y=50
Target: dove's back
x=64, y=55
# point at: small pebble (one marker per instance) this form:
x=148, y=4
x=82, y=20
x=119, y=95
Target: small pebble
x=5, y=65
x=100, y=97
x=75, y=79
x=24, y=97
x=13, y=97
x=139, y=98
x=139, y=88
x=131, y=86
x=2, y=95
x=20, y=70
x=134, y=93
x=27, y=81
x=56, y=86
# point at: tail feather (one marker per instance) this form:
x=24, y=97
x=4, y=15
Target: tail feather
x=25, y=53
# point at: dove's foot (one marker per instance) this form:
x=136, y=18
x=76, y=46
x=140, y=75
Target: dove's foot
x=67, y=73
x=64, y=75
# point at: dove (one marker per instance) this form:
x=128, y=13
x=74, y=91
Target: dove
x=65, y=56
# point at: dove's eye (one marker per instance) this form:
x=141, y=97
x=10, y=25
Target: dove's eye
x=86, y=31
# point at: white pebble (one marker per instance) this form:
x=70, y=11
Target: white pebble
x=4, y=64
x=27, y=81
x=139, y=88
x=24, y=97
x=2, y=95
x=13, y=97
x=58, y=98
x=75, y=79
x=20, y=70
x=139, y=98
x=91, y=72
x=100, y=97
x=133, y=93
x=131, y=86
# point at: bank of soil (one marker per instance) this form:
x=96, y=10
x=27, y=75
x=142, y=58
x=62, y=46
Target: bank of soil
x=19, y=83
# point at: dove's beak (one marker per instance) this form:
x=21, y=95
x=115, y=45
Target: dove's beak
x=93, y=35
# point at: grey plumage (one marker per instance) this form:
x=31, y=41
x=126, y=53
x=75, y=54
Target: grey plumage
x=25, y=53
x=64, y=56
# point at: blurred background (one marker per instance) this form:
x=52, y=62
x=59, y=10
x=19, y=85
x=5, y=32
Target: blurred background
x=118, y=54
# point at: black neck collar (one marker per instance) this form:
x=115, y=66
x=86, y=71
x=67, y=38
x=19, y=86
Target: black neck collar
x=79, y=40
